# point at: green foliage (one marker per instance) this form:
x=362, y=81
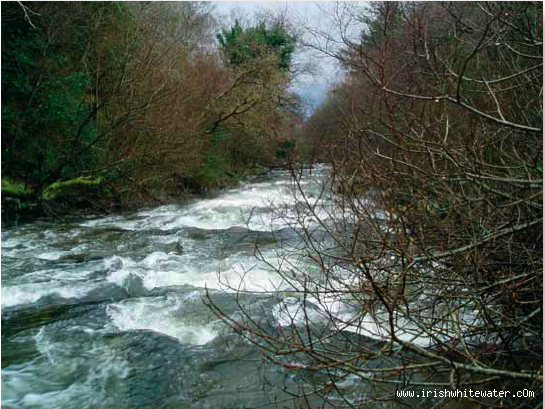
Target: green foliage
x=289, y=144
x=214, y=170
x=242, y=46
x=285, y=147
x=218, y=136
x=12, y=188
x=375, y=29
x=49, y=89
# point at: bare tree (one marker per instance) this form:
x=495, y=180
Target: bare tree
x=422, y=267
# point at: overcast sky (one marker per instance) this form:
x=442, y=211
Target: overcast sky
x=295, y=7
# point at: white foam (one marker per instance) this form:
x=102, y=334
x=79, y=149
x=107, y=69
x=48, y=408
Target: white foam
x=160, y=314
x=340, y=314
x=236, y=272
x=120, y=270
x=233, y=208
x=73, y=375
x=291, y=312
x=52, y=255
x=227, y=210
x=30, y=293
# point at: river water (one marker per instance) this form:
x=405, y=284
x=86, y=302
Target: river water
x=107, y=312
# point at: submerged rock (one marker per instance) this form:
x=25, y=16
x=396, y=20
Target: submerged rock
x=179, y=246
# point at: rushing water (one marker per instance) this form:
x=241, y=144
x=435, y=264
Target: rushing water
x=108, y=313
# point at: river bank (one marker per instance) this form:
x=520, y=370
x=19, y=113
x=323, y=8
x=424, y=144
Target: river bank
x=85, y=196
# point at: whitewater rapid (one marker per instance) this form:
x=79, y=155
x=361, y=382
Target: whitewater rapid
x=107, y=312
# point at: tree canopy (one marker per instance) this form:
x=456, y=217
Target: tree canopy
x=241, y=46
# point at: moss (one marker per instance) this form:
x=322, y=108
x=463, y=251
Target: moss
x=18, y=203
x=12, y=188
x=57, y=189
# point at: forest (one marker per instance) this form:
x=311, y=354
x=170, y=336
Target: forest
x=423, y=249
x=107, y=105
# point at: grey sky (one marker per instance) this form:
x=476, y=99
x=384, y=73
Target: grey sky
x=294, y=7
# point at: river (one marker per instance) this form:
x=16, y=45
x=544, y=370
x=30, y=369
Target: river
x=107, y=312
